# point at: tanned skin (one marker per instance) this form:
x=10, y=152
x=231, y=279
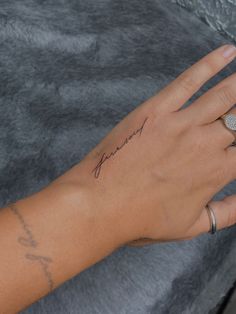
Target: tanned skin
x=147, y=181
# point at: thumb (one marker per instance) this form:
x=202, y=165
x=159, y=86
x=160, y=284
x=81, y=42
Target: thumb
x=225, y=214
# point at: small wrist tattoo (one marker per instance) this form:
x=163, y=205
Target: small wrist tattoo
x=105, y=156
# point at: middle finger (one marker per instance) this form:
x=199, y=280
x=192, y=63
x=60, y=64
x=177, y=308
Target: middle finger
x=213, y=104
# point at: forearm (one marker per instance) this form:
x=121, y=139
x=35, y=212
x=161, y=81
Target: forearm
x=47, y=238
x=135, y=184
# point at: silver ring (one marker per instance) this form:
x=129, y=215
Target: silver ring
x=212, y=218
x=229, y=120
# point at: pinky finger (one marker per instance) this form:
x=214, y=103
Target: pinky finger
x=225, y=213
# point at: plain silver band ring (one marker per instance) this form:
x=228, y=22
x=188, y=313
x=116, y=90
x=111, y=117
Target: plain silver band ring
x=212, y=218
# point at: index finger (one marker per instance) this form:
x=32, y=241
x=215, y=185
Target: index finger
x=174, y=95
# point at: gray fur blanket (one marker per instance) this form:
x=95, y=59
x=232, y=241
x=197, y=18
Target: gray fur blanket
x=69, y=71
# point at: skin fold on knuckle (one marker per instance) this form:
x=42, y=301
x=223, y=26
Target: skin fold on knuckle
x=210, y=64
x=226, y=95
x=187, y=82
x=229, y=81
x=191, y=82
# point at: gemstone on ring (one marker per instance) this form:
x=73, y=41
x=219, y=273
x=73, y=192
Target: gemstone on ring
x=230, y=121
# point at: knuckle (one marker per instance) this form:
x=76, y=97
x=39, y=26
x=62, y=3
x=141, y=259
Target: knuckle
x=195, y=76
x=227, y=95
x=187, y=82
x=210, y=65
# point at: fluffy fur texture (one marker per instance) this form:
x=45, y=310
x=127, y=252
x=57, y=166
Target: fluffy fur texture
x=219, y=14
x=69, y=71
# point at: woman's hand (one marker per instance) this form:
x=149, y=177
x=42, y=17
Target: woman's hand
x=153, y=174
x=150, y=177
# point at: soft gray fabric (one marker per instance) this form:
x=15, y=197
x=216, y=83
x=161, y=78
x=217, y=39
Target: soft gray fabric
x=69, y=71
x=219, y=14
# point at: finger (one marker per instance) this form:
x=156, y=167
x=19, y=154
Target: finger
x=231, y=154
x=231, y=162
x=214, y=103
x=173, y=96
x=218, y=134
x=225, y=213
x=231, y=111
x=233, y=132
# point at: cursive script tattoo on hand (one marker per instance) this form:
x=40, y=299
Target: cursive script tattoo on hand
x=105, y=156
x=28, y=241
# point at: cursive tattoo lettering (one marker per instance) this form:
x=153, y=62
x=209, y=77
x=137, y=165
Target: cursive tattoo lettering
x=105, y=156
x=44, y=262
x=29, y=241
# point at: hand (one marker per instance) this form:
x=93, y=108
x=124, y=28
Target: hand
x=153, y=174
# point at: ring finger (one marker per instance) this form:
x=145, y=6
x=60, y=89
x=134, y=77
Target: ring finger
x=225, y=214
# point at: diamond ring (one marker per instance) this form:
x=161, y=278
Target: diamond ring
x=229, y=120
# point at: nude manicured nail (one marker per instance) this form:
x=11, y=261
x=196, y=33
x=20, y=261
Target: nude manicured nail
x=229, y=51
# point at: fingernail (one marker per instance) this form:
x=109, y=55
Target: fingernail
x=229, y=51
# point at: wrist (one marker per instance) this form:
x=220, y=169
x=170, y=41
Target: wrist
x=77, y=189
x=49, y=237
